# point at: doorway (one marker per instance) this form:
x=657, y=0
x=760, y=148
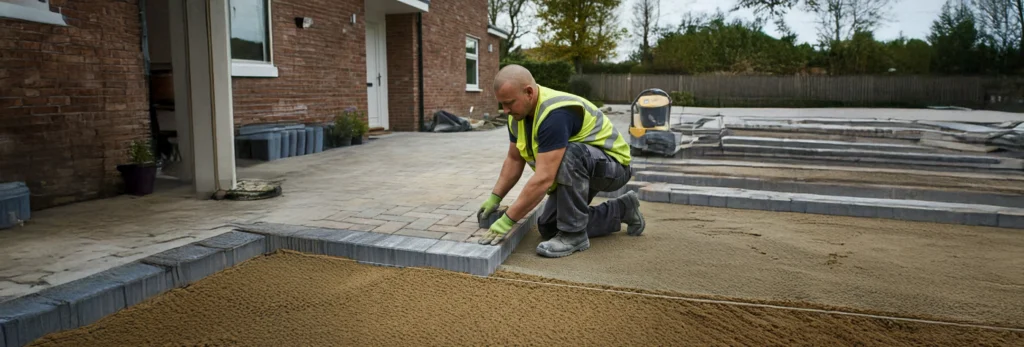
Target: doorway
x=376, y=74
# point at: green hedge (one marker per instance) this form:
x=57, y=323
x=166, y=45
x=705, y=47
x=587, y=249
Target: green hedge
x=555, y=74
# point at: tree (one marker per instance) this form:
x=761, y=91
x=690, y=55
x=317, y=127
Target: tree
x=839, y=20
x=494, y=9
x=773, y=8
x=955, y=39
x=703, y=44
x=998, y=23
x=645, y=22
x=519, y=22
x=579, y=30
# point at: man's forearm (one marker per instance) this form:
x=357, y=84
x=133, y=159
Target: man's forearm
x=511, y=172
x=530, y=197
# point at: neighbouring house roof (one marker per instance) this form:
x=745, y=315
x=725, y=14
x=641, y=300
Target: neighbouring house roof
x=496, y=31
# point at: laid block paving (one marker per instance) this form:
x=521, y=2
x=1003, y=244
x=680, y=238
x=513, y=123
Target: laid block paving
x=911, y=210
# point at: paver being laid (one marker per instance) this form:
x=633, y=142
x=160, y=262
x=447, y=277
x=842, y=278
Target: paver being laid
x=412, y=184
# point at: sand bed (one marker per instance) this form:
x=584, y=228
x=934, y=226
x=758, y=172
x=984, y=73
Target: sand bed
x=293, y=299
x=1007, y=186
x=940, y=271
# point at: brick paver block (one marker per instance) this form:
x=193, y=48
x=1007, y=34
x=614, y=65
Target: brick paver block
x=451, y=220
x=390, y=227
x=326, y=223
x=370, y=213
x=425, y=215
x=458, y=237
x=422, y=223
x=341, y=215
x=393, y=218
x=363, y=227
x=357, y=220
x=452, y=229
x=400, y=210
x=421, y=233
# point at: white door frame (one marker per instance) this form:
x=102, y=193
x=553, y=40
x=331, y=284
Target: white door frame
x=377, y=71
x=200, y=40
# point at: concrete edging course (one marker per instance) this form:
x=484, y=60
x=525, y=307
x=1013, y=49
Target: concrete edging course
x=84, y=301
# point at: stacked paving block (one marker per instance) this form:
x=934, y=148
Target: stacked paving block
x=14, y=204
x=269, y=142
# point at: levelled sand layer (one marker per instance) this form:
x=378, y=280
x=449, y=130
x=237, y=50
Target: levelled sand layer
x=940, y=271
x=1007, y=186
x=298, y=300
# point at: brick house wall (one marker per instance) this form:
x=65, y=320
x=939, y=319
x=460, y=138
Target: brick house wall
x=321, y=69
x=445, y=28
x=71, y=100
x=403, y=72
x=444, y=40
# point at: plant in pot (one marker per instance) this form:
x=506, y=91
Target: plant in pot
x=359, y=128
x=140, y=175
x=343, y=129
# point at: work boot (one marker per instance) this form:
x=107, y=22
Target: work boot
x=564, y=244
x=634, y=220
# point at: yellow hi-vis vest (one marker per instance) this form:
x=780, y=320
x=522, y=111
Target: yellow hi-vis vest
x=597, y=129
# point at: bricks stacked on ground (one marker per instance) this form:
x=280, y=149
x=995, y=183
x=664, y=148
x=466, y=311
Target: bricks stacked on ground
x=71, y=100
x=321, y=69
x=445, y=29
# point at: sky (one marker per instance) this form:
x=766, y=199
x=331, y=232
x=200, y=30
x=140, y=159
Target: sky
x=912, y=18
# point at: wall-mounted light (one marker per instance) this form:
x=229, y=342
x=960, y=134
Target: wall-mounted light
x=303, y=22
x=490, y=47
x=353, y=18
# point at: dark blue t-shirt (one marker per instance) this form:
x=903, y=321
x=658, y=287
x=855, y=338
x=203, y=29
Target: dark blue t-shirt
x=556, y=130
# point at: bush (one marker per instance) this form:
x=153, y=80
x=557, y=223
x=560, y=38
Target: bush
x=682, y=98
x=551, y=74
x=580, y=87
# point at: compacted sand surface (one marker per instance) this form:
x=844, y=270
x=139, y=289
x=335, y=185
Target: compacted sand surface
x=292, y=299
x=940, y=271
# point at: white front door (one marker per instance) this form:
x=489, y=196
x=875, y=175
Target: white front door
x=376, y=74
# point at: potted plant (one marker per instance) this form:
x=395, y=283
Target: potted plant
x=343, y=129
x=359, y=128
x=140, y=175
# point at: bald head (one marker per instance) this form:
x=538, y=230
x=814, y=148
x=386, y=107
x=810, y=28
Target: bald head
x=517, y=91
x=516, y=75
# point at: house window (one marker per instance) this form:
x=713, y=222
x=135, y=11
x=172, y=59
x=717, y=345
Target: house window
x=251, y=39
x=472, y=64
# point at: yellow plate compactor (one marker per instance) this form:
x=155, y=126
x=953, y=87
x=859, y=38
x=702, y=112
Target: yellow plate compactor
x=650, y=128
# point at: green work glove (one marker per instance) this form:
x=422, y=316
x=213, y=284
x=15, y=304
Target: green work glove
x=489, y=206
x=498, y=230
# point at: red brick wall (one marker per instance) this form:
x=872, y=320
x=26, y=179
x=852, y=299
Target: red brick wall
x=403, y=78
x=321, y=69
x=444, y=47
x=71, y=100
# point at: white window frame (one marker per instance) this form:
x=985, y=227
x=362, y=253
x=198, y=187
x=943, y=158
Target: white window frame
x=31, y=10
x=476, y=61
x=257, y=68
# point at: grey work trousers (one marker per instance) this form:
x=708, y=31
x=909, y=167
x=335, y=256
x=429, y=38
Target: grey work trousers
x=584, y=172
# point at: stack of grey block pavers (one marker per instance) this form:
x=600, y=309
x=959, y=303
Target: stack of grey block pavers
x=268, y=142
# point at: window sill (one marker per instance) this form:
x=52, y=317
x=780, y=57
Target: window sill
x=10, y=10
x=240, y=69
x=474, y=90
